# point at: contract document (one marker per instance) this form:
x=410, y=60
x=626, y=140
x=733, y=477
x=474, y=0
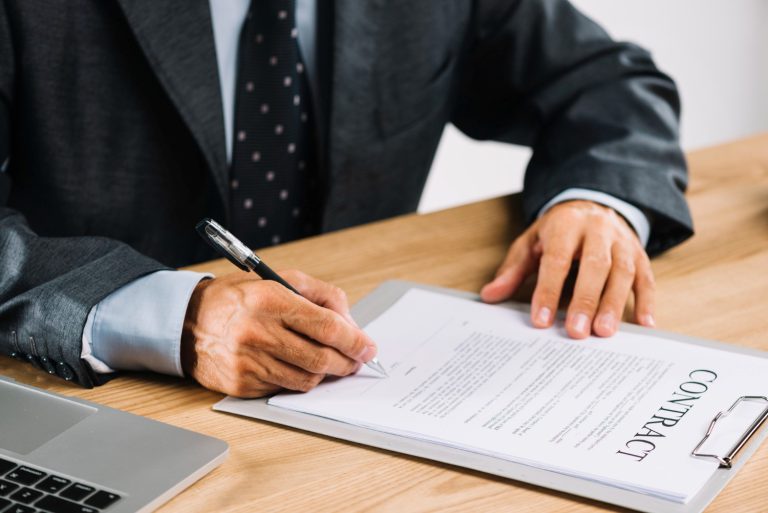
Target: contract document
x=624, y=411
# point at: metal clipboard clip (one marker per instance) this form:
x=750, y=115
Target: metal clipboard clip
x=726, y=461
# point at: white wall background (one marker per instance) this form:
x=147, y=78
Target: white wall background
x=716, y=50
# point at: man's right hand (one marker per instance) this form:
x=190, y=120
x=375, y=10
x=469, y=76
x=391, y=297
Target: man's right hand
x=248, y=337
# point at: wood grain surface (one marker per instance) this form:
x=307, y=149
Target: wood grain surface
x=713, y=286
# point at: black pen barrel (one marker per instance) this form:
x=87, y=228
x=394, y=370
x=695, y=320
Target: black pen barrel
x=267, y=273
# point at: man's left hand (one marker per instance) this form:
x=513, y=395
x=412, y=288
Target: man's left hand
x=612, y=263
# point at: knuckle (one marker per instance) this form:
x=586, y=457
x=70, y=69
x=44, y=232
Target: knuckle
x=360, y=344
x=316, y=379
x=648, y=281
x=273, y=288
x=339, y=293
x=276, y=375
x=557, y=259
x=644, y=264
x=645, y=275
x=269, y=295
x=587, y=303
x=598, y=260
x=547, y=296
x=601, y=220
x=308, y=381
x=624, y=265
x=234, y=294
x=320, y=362
x=330, y=328
x=292, y=273
x=351, y=367
x=291, y=352
x=614, y=306
x=261, y=390
x=258, y=301
x=297, y=278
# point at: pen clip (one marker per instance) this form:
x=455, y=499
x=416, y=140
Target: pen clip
x=223, y=242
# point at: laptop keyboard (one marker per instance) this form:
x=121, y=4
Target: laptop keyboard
x=25, y=489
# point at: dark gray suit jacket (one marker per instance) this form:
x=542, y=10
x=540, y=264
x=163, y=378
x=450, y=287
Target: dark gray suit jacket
x=111, y=118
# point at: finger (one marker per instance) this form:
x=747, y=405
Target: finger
x=251, y=390
x=518, y=265
x=321, y=293
x=617, y=291
x=594, y=267
x=557, y=255
x=311, y=356
x=328, y=328
x=645, y=293
x=275, y=372
x=257, y=377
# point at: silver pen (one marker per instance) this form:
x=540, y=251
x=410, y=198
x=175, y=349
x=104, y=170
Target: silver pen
x=239, y=254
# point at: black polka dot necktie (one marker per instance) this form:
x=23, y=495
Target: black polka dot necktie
x=271, y=177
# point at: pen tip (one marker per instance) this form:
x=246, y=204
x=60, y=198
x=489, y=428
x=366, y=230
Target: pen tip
x=376, y=365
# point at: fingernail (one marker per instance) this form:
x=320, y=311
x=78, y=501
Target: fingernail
x=648, y=320
x=607, y=322
x=368, y=354
x=544, y=316
x=581, y=324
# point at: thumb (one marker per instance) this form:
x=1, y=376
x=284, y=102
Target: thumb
x=520, y=262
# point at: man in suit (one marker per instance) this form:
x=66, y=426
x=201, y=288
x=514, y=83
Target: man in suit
x=124, y=122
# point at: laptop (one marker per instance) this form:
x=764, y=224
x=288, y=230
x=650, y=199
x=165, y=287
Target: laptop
x=61, y=454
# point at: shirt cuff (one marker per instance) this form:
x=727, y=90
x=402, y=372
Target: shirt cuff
x=634, y=216
x=138, y=327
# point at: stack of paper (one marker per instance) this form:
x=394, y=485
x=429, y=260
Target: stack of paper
x=624, y=411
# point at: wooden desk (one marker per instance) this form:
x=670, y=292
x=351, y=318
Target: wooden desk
x=714, y=286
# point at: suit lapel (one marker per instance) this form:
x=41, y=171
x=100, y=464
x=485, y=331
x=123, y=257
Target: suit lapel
x=177, y=38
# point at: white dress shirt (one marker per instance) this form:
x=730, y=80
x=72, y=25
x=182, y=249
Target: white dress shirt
x=138, y=327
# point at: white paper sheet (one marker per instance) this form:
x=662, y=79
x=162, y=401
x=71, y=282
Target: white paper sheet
x=624, y=411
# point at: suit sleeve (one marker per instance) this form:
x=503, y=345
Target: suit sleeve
x=48, y=285
x=598, y=114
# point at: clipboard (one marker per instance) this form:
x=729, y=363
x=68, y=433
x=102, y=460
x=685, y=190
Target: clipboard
x=383, y=297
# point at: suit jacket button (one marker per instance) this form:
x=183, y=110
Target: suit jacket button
x=33, y=360
x=47, y=365
x=64, y=371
